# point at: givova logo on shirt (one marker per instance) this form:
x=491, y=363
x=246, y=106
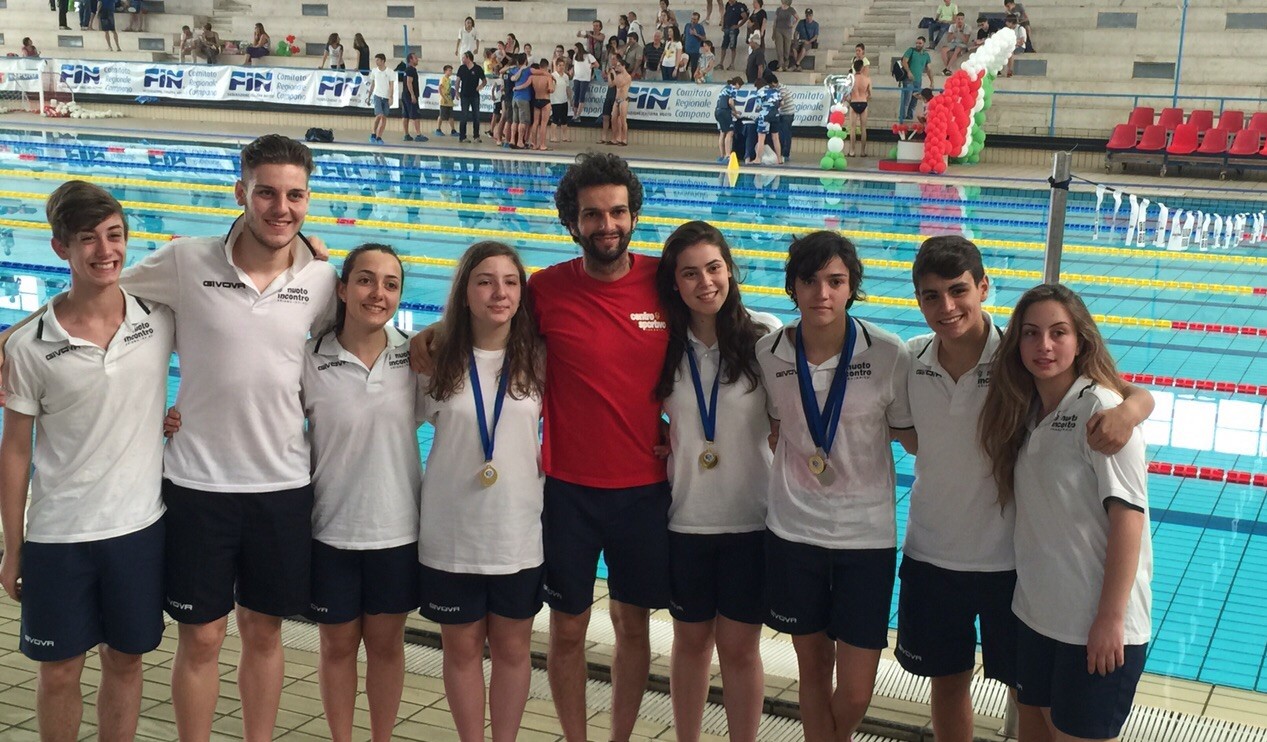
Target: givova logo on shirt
x=649, y=321
x=223, y=284
x=336, y=364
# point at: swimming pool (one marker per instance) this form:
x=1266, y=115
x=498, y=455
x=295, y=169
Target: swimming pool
x=1189, y=325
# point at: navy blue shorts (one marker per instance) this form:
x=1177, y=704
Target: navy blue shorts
x=78, y=595
x=936, y=621
x=458, y=598
x=347, y=583
x=725, y=119
x=717, y=574
x=845, y=592
x=1054, y=675
x=408, y=108
x=730, y=38
x=254, y=548
x=629, y=526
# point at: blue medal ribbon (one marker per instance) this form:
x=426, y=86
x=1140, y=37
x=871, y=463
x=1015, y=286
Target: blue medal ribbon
x=823, y=425
x=487, y=436
x=707, y=412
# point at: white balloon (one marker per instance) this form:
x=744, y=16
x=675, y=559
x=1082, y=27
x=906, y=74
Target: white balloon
x=979, y=106
x=835, y=144
x=834, y=127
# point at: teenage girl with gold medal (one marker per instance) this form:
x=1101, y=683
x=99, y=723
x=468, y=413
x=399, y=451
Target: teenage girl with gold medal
x=480, y=534
x=718, y=470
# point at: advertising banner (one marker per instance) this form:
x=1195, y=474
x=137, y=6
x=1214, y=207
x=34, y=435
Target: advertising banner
x=672, y=102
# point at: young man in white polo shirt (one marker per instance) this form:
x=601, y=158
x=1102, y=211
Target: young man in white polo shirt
x=236, y=478
x=958, y=565
x=90, y=376
x=835, y=385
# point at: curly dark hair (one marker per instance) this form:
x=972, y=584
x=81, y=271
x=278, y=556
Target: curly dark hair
x=594, y=169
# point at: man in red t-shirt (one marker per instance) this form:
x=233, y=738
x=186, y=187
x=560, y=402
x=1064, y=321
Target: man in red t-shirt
x=605, y=488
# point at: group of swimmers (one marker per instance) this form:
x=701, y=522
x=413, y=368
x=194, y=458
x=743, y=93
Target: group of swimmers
x=775, y=505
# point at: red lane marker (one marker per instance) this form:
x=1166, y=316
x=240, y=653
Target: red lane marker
x=515, y=191
x=342, y=220
x=507, y=209
x=1206, y=385
x=1260, y=290
x=155, y=152
x=1208, y=473
x=27, y=158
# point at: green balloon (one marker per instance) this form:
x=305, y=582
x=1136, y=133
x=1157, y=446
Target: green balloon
x=893, y=153
x=838, y=156
x=974, y=159
x=827, y=162
x=840, y=164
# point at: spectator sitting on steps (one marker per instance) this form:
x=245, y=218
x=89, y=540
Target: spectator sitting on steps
x=28, y=48
x=1021, y=39
x=259, y=46
x=983, y=32
x=805, y=38
x=943, y=16
x=207, y=44
x=954, y=44
x=186, y=42
x=1022, y=20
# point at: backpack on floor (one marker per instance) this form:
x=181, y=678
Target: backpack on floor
x=319, y=135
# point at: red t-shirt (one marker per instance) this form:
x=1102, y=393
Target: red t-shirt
x=605, y=345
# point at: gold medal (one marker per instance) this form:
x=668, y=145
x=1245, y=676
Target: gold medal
x=488, y=475
x=709, y=458
x=817, y=464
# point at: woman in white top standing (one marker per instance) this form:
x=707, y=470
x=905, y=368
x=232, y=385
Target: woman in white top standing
x=358, y=394
x=1083, y=549
x=333, y=53
x=719, y=469
x=669, y=61
x=480, y=539
x=468, y=40
x=583, y=64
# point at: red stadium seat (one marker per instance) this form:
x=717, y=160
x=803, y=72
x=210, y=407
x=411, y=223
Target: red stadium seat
x=1202, y=118
x=1214, y=143
x=1185, y=140
x=1170, y=118
x=1154, y=139
x=1258, y=122
x=1142, y=116
x=1232, y=121
x=1124, y=138
x=1245, y=144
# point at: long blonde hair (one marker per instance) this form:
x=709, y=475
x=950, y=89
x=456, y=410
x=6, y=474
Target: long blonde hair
x=1003, y=425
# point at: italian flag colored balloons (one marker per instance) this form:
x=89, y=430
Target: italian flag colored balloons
x=956, y=116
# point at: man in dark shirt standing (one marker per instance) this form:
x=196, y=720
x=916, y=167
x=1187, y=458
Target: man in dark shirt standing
x=471, y=81
x=409, y=95
x=652, y=53
x=734, y=14
x=756, y=58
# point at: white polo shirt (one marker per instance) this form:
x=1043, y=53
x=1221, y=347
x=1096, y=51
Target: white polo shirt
x=731, y=497
x=955, y=521
x=857, y=510
x=1062, y=523
x=241, y=356
x=364, y=435
x=466, y=527
x=98, y=423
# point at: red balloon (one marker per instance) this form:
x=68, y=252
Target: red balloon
x=925, y=167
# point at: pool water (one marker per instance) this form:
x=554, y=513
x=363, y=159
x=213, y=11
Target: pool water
x=1190, y=326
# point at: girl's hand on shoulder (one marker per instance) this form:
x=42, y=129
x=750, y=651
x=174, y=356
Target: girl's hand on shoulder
x=1106, y=650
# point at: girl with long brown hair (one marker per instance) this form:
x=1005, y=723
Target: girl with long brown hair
x=719, y=470
x=1083, y=552
x=480, y=538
